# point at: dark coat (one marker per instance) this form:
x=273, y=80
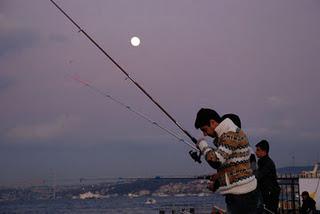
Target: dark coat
x=267, y=177
x=308, y=205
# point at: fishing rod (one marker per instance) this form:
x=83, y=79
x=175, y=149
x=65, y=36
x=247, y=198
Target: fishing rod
x=108, y=96
x=193, y=154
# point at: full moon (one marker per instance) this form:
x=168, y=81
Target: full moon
x=135, y=41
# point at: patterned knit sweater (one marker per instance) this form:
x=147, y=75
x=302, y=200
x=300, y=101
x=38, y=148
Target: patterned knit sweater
x=235, y=173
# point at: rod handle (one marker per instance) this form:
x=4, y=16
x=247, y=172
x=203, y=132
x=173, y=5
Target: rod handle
x=195, y=156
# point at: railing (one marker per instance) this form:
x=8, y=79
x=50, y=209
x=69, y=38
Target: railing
x=289, y=199
x=192, y=210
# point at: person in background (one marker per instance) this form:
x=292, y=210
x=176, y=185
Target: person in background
x=308, y=204
x=232, y=160
x=266, y=175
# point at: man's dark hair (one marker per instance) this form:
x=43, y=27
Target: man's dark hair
x=235, y=119
x=305, y=193
x=204, y=116
x=264, y=145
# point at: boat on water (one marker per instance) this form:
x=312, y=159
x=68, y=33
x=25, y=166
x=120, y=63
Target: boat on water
x=150, y=201
x=133, y=195
x=90, y=195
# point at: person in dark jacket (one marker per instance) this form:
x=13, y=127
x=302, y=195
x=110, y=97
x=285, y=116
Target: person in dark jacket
x=267, y=178
x=308, y=204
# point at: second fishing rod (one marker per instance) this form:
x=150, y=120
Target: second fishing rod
x=193, y=154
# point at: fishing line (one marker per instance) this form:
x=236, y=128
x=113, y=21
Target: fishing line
x=124, y=72
x=193, y=154
x=108, y=96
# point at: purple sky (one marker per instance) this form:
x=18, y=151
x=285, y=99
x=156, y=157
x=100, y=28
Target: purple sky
x=260, y=60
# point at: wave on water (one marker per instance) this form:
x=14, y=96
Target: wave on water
x=201, y=204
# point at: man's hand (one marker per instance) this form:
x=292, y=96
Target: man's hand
x=208, y=153
x=214, y=184
x=214, y=177
x=203, y=146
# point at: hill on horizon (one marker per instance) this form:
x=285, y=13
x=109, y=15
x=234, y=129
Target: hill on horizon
x=293, y=169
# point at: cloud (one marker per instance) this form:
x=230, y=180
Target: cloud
x=262, y=131
x=5, y=83
x=42, y=131
x=275, y=128
x=276, y=101
x=58, y=38
x=310, y=136
x=14, y=38
x=286, y=123
x=3, y=6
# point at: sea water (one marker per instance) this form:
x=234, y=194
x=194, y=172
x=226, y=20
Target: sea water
x=120, y=204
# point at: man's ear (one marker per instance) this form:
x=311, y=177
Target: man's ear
x=213, y=123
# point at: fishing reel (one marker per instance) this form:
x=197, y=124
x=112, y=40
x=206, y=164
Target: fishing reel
x=195, y=156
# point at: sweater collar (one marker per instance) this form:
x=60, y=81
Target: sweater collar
x=225, y=126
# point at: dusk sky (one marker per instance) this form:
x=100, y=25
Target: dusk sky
x=258, y=59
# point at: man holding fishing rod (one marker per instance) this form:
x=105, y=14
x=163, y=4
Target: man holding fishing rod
x=231, y=158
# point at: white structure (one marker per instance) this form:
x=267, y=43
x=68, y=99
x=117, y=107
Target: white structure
x=90, y=195
x=310, y=181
